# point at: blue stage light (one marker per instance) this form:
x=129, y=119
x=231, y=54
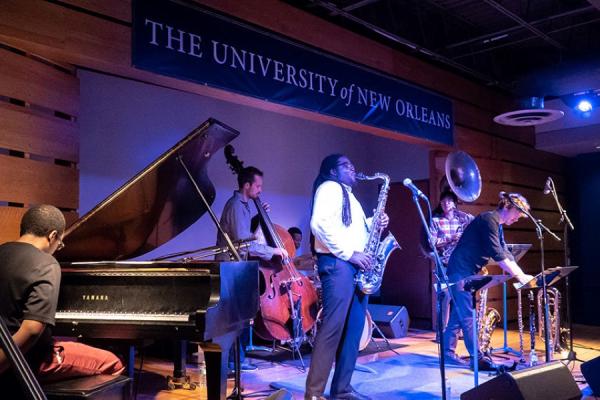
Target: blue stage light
x=584, y=106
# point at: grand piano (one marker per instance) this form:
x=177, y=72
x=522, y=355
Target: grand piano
x=105, y=296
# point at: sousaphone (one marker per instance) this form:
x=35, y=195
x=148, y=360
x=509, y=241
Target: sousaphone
x=462, y=176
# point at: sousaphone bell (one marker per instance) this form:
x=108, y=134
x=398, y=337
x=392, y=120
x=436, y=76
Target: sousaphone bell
x=463, y=176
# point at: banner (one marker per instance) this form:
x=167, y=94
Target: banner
x=197, y=45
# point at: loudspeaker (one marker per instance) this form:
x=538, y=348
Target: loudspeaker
x=548, y=381
x=591, y=373
x=392, y=320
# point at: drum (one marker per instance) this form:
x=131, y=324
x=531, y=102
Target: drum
x=365, y=337
x=367, y=332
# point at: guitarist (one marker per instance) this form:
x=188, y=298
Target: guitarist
x=236, y=221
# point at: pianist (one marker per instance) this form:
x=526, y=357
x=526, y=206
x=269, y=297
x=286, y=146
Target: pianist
x=30, y=278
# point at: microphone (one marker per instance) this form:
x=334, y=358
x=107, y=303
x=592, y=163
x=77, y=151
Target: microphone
x=548, y=186
x=415, y=190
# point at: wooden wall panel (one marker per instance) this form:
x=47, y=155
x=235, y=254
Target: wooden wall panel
x=34, y=182
x=10, y=221
x=38, y=129
x=30, y=132
x=521, y=154
x=464, y=139
x=34, y=82
x=117, y=9
x=474, y=117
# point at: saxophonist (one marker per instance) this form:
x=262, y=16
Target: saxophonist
x=483, y=239
x=341, y=231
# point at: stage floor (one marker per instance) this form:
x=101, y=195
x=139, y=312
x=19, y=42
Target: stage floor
x=409, y=371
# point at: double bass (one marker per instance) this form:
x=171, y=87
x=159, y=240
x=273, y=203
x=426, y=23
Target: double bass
x=288, y=299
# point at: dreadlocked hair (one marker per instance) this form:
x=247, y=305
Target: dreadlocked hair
x=330, y=162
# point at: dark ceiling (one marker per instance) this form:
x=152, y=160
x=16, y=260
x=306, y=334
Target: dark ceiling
x=545, y=48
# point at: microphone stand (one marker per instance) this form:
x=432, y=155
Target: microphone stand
x=539, y=227
x=564, y=219
x=441, y=279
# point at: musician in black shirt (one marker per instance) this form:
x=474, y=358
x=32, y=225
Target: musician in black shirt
x=483, y=239
x=30, y=279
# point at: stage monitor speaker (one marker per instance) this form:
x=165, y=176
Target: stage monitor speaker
x=548, y=381
x=392, y=320
x=591, y=373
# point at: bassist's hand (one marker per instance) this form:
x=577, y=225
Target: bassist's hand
x=280, y=252
x=361, y=260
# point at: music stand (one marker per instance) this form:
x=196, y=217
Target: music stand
x=517, y=250
x=472, y=284
x=552, y=275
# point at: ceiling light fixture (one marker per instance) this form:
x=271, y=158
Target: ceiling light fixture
x=533, y=113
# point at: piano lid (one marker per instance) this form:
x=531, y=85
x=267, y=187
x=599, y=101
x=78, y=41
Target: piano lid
x=154, y=206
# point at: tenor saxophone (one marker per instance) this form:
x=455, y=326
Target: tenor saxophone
x=369, y=280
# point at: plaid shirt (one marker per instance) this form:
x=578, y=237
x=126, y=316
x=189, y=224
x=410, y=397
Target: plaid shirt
x=446, y=232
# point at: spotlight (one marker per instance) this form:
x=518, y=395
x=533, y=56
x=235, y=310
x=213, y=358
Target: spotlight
x=584, y=106
x=583, y=102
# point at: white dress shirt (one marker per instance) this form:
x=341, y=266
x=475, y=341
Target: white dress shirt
x=331, y=235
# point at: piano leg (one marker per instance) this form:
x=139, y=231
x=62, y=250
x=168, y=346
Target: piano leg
x=216, y=357
x=180, y=378
x=180, y=349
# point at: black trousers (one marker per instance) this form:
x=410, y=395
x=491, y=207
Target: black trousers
x=338, y=336
x=461, y=317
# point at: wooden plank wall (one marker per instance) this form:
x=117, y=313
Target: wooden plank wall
x=39, y=138
x=97, y=35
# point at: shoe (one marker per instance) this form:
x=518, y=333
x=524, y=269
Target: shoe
x=248, y=367
x=452, y=358
x=485, y=364
x=353, y=395
x=314, y=397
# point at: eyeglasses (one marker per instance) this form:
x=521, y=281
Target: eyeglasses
x=345, y=164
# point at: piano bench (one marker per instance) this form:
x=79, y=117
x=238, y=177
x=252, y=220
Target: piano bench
x=105, y=387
